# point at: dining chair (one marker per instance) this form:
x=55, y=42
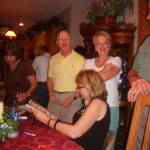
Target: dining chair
x=141, y=102
x=109, y=140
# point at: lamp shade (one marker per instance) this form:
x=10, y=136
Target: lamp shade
x=10, y=34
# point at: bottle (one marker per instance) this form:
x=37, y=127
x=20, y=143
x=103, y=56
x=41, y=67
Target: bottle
x=123, y=84
x=14, y=112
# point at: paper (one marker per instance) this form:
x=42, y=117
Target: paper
x=1, y=109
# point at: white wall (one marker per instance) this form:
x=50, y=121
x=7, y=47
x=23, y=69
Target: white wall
x=74, y=15
x=78, y=15
x=65, y=15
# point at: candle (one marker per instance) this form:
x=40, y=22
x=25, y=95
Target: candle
x=1, y=110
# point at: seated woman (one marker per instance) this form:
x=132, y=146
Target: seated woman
x=90, y=129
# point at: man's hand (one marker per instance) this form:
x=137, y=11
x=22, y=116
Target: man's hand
x=67, y=101
x=133, y=94
x=52, y=98
x=139, y=86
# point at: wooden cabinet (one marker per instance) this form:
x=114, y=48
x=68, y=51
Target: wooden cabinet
x=122, y=37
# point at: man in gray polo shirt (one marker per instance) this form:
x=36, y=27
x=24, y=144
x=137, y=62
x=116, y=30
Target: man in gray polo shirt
x=139, y=78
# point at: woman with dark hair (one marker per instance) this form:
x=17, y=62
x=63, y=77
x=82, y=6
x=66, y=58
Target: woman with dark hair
x=92, y=123
x=19, y=77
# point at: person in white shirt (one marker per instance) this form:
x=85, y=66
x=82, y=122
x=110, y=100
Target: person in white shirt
x=40, y=64
x=109, y=68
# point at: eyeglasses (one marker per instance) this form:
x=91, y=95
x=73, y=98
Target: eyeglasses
x=103, y=44
x=80, y=87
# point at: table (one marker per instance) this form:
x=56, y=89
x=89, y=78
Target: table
x=46, y=138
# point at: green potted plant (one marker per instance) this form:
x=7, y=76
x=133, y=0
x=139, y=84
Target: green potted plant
x=9, y=127
x=109, y=8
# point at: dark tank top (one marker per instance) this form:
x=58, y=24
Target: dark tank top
x=93, y=139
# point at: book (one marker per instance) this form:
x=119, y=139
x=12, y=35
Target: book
x=26, y=107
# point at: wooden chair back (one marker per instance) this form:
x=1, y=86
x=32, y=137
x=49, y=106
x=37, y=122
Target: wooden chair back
x=142, y=101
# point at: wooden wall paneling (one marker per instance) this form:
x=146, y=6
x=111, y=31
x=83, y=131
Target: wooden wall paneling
x=52, y=40
x=28, y=45
x=41, y=40
x=46, y=37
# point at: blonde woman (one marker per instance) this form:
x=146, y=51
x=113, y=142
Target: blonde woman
x=92, y=123
x=109, y=68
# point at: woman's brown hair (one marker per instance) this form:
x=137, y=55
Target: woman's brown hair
x=12, y=48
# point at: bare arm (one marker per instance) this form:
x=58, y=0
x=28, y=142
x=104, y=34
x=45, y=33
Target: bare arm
x=109, y=71
x=132, y=75
x=33, y=84
x=50, y=89
x=138, y=82
x=138, y=85
x=95, y=110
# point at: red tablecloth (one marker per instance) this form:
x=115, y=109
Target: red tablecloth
x=45, y=139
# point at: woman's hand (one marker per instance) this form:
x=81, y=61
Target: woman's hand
x=21, y=97
x=39, y=115
x=109, y=71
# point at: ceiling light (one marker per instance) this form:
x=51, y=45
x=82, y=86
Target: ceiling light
x=21, y=24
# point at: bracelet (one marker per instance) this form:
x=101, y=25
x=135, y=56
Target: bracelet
x=48, y=121
x=56, y=124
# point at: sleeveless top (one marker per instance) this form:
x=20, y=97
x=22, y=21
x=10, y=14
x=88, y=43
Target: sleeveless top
x=93, y=139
